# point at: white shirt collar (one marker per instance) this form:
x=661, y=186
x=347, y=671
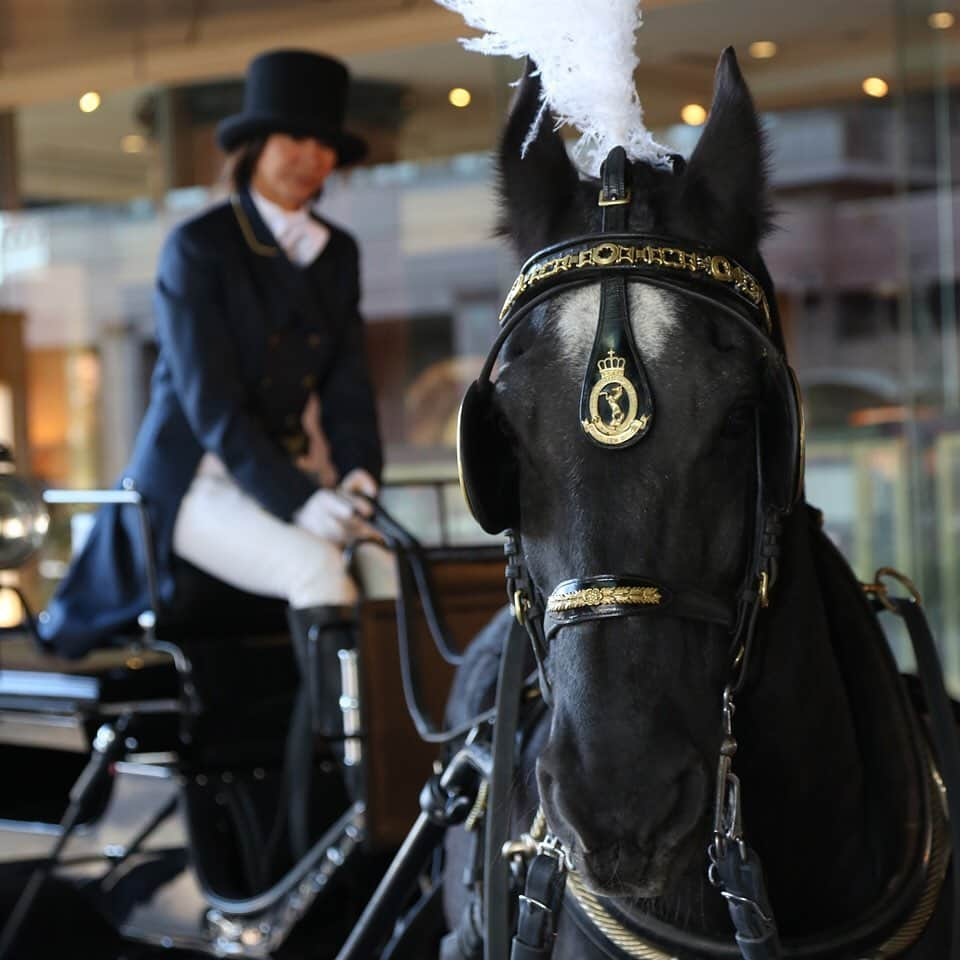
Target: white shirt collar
x=301, y=237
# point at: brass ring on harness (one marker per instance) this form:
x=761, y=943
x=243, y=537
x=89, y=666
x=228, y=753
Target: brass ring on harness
x=879, y=589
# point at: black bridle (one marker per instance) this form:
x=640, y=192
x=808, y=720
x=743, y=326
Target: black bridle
x=615, y=374
x=613, y=258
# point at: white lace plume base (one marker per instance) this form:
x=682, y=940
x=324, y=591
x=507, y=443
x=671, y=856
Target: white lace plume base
x=586, y=56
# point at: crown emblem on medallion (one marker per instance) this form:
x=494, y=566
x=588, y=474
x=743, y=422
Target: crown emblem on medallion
x=612, y=365
x=618, y=418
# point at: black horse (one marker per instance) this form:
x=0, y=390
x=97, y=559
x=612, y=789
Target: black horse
x=840, y=798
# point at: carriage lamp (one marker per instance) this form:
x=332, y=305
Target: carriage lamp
x=23, y=516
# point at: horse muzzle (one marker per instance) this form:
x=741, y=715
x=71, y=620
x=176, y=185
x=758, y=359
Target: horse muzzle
x=634, y=840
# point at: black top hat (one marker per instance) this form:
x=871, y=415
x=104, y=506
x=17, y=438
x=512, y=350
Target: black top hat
x=297, y=92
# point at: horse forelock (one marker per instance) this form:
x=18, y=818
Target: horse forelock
x=653, y=317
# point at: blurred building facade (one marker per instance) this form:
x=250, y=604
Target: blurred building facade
x=865, y=256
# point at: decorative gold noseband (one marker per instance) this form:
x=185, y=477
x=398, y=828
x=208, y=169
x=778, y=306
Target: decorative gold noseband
x=561, y=600
x=598, y=598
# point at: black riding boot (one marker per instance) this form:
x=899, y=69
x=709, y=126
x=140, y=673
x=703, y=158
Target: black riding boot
x=318, y=634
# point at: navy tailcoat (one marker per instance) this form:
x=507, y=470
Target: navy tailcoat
x=244, y=337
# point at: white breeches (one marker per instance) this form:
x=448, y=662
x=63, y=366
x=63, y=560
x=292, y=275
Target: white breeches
x=226, y=533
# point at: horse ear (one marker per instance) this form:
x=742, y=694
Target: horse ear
x=537, y=188
x=725, y=183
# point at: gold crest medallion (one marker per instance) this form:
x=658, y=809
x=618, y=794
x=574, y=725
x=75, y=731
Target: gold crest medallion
x=613, y=404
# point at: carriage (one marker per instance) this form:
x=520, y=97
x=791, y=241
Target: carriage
x=151, y=781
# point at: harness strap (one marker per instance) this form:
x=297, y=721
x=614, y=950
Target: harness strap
x=743, y=887
x=943, y=730
x=496, y=870
x=539, y=905
x=527, y=609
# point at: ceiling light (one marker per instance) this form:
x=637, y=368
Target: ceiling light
x=459, y=97
x=941, y=20
x=89, y=101
x=875, y=87
x=693, y=114
x=762, y=49
x=133, y=143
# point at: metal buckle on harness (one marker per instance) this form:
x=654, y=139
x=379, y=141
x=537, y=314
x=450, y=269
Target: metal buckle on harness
x=727, y=814
x=551, y=846
x=622, y=202
x=747, y=902
x=527, y=847
x=523, y=849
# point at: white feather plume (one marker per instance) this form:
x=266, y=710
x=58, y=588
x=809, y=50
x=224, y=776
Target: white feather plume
x=585, y=52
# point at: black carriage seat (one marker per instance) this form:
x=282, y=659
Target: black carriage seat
x=210, y=683
x=240, y=688
x=125, y=672
x=210, y=691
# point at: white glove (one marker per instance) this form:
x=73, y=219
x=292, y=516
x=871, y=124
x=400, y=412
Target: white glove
x=359, y=481
x=335, y=516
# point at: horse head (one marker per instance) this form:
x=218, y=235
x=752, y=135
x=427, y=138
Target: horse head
x=628, y=775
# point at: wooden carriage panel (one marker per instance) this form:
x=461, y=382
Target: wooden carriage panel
x=399, y=762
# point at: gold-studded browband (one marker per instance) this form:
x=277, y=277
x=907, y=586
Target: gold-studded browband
x=637, y=256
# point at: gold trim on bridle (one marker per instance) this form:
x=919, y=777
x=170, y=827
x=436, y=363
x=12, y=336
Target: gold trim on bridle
x=560, y=602
x=607, y=253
